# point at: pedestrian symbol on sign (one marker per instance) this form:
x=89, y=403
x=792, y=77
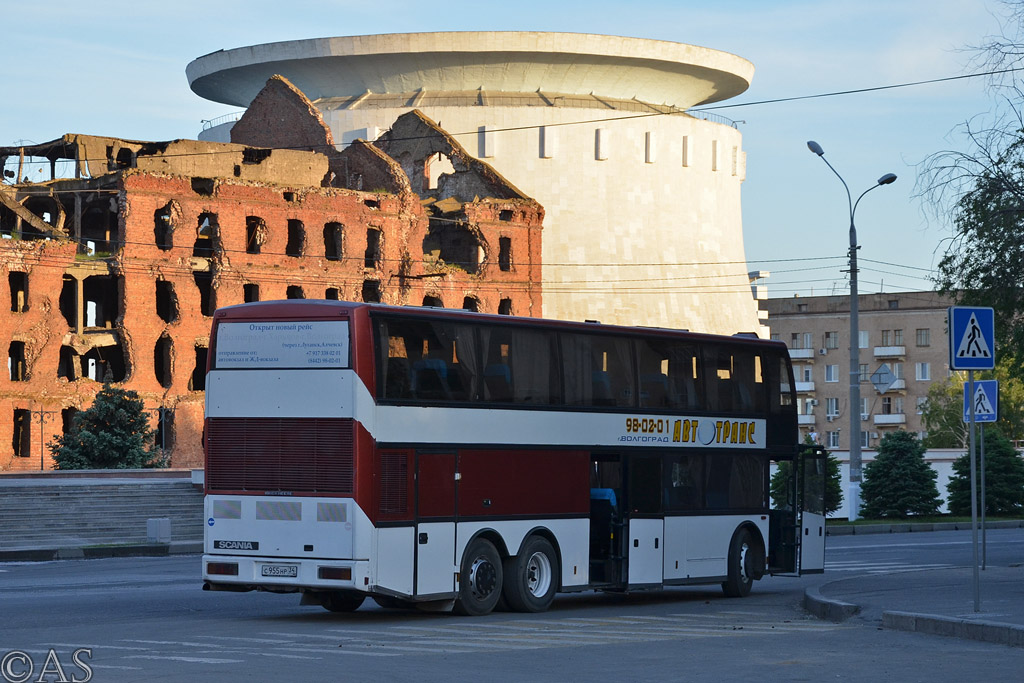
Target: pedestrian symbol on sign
x=972, y=343
x=982, y=406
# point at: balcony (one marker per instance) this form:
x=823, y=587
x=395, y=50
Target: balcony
x=802, y=354
x=805, y=419
x=891, y=419
x=890, y=351
x=804, y=387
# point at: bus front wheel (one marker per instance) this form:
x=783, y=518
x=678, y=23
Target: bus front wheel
x=479, y=579
x=343, y=601
x=531, y=577
x=745, y=557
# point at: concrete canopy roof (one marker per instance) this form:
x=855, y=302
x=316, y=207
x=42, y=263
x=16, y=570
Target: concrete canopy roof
x=651, y=71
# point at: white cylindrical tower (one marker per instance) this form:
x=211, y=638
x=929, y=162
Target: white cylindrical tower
x=642, y=200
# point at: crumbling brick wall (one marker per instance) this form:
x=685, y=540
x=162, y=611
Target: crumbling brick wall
x=179, y=229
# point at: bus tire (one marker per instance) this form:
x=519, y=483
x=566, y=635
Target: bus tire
x=479, y=579
x=744, y=558
x=531, y=577
x=343, y=601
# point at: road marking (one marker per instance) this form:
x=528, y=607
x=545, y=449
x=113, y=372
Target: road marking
x=190, y=660
x=881, y=567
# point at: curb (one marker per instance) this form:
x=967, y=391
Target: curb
x=825, y=608
x=904, y=527
x=102, y=551
x=986, y=631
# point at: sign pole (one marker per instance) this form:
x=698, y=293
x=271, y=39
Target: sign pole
x=984, y=546
x=974, y=497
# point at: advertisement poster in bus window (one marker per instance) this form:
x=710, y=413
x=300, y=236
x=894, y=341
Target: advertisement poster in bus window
x=307, y=344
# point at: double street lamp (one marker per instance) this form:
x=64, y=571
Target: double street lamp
x=853, y=501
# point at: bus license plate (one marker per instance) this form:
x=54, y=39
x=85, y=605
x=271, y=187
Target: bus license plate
x=286, y=570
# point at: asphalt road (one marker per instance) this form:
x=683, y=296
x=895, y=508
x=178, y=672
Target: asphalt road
x=147, y=619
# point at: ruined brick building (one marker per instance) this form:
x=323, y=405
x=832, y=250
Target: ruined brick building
x=114, y=264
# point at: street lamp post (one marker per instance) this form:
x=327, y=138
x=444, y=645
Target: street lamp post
x=853, y=502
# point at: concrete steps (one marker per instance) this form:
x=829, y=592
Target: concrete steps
x=82, y=512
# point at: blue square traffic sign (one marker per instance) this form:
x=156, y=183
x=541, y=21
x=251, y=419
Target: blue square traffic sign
x=985, y=400
x=972, y=338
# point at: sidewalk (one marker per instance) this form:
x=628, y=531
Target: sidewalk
x=936, y=601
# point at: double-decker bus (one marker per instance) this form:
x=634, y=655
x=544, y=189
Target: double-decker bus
x=448, y=459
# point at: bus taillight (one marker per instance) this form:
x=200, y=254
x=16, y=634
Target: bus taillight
x=222, y=568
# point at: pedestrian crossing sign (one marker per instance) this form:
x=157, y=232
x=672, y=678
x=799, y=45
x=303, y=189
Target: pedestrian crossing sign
x=986, y=400
x=972, y=339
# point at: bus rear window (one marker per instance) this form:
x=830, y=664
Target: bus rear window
x=307, y=344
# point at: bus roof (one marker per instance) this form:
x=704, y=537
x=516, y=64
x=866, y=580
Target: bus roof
x=326, y=308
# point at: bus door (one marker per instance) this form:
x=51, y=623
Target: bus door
x=797, y=518
x=436, y=491
x=646, y=522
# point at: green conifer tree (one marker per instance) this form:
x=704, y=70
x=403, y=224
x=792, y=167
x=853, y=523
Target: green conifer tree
x=898, y=482
x=113, y=433
x=1004, y=479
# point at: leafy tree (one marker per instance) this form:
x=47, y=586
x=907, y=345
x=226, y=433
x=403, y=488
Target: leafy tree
x=1004, y=479
x=113, y=433
x=942, y=414
x=833, y=483
x=982, y=189
x=898, y=482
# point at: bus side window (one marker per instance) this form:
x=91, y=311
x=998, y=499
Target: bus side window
x=684, y=483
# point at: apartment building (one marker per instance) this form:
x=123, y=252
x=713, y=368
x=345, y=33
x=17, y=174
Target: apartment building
x=903, y=349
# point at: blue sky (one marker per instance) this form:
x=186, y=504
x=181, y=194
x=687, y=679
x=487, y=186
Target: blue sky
x=117, y=67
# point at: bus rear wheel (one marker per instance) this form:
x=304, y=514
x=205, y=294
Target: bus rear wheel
x=480, y=579
x=531, y=577
x=343, y=601
x=746, y=558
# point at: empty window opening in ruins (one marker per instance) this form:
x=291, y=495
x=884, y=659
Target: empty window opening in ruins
x=454, y=243
x=371, y=291
x=18, y=282
x=123, y=158
x=104, y=364
x=166, y=301
x=101, y=300
x=16, y=368
x=332, y=294
x=10, y=224
x=68, y=302
x=45, y=207
x=198, y=380
x=288, y=196
x=203, y=186
x=505, y=307
x=22, y=441
x=371, y=257
x=296, y=238
x=255, y=234
x=505, y=215
x=164, y=439
x=98, y=230
x=163, y=361
x=69, y=364
x=163, y=226
x=250, y=292
x=295, y=292
x=431, y=300
x=435, y=166
x=207, y=235
x=370, y=203
x=204, y=283
x=67, y=419
x=505, y=254
x=252, y=155
x=471, y=303
x=332, y=241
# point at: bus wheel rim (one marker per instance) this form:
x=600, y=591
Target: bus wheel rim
x=538, y=574
x=483, y=578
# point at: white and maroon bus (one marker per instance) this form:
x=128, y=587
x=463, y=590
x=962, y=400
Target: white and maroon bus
x=443, y=458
